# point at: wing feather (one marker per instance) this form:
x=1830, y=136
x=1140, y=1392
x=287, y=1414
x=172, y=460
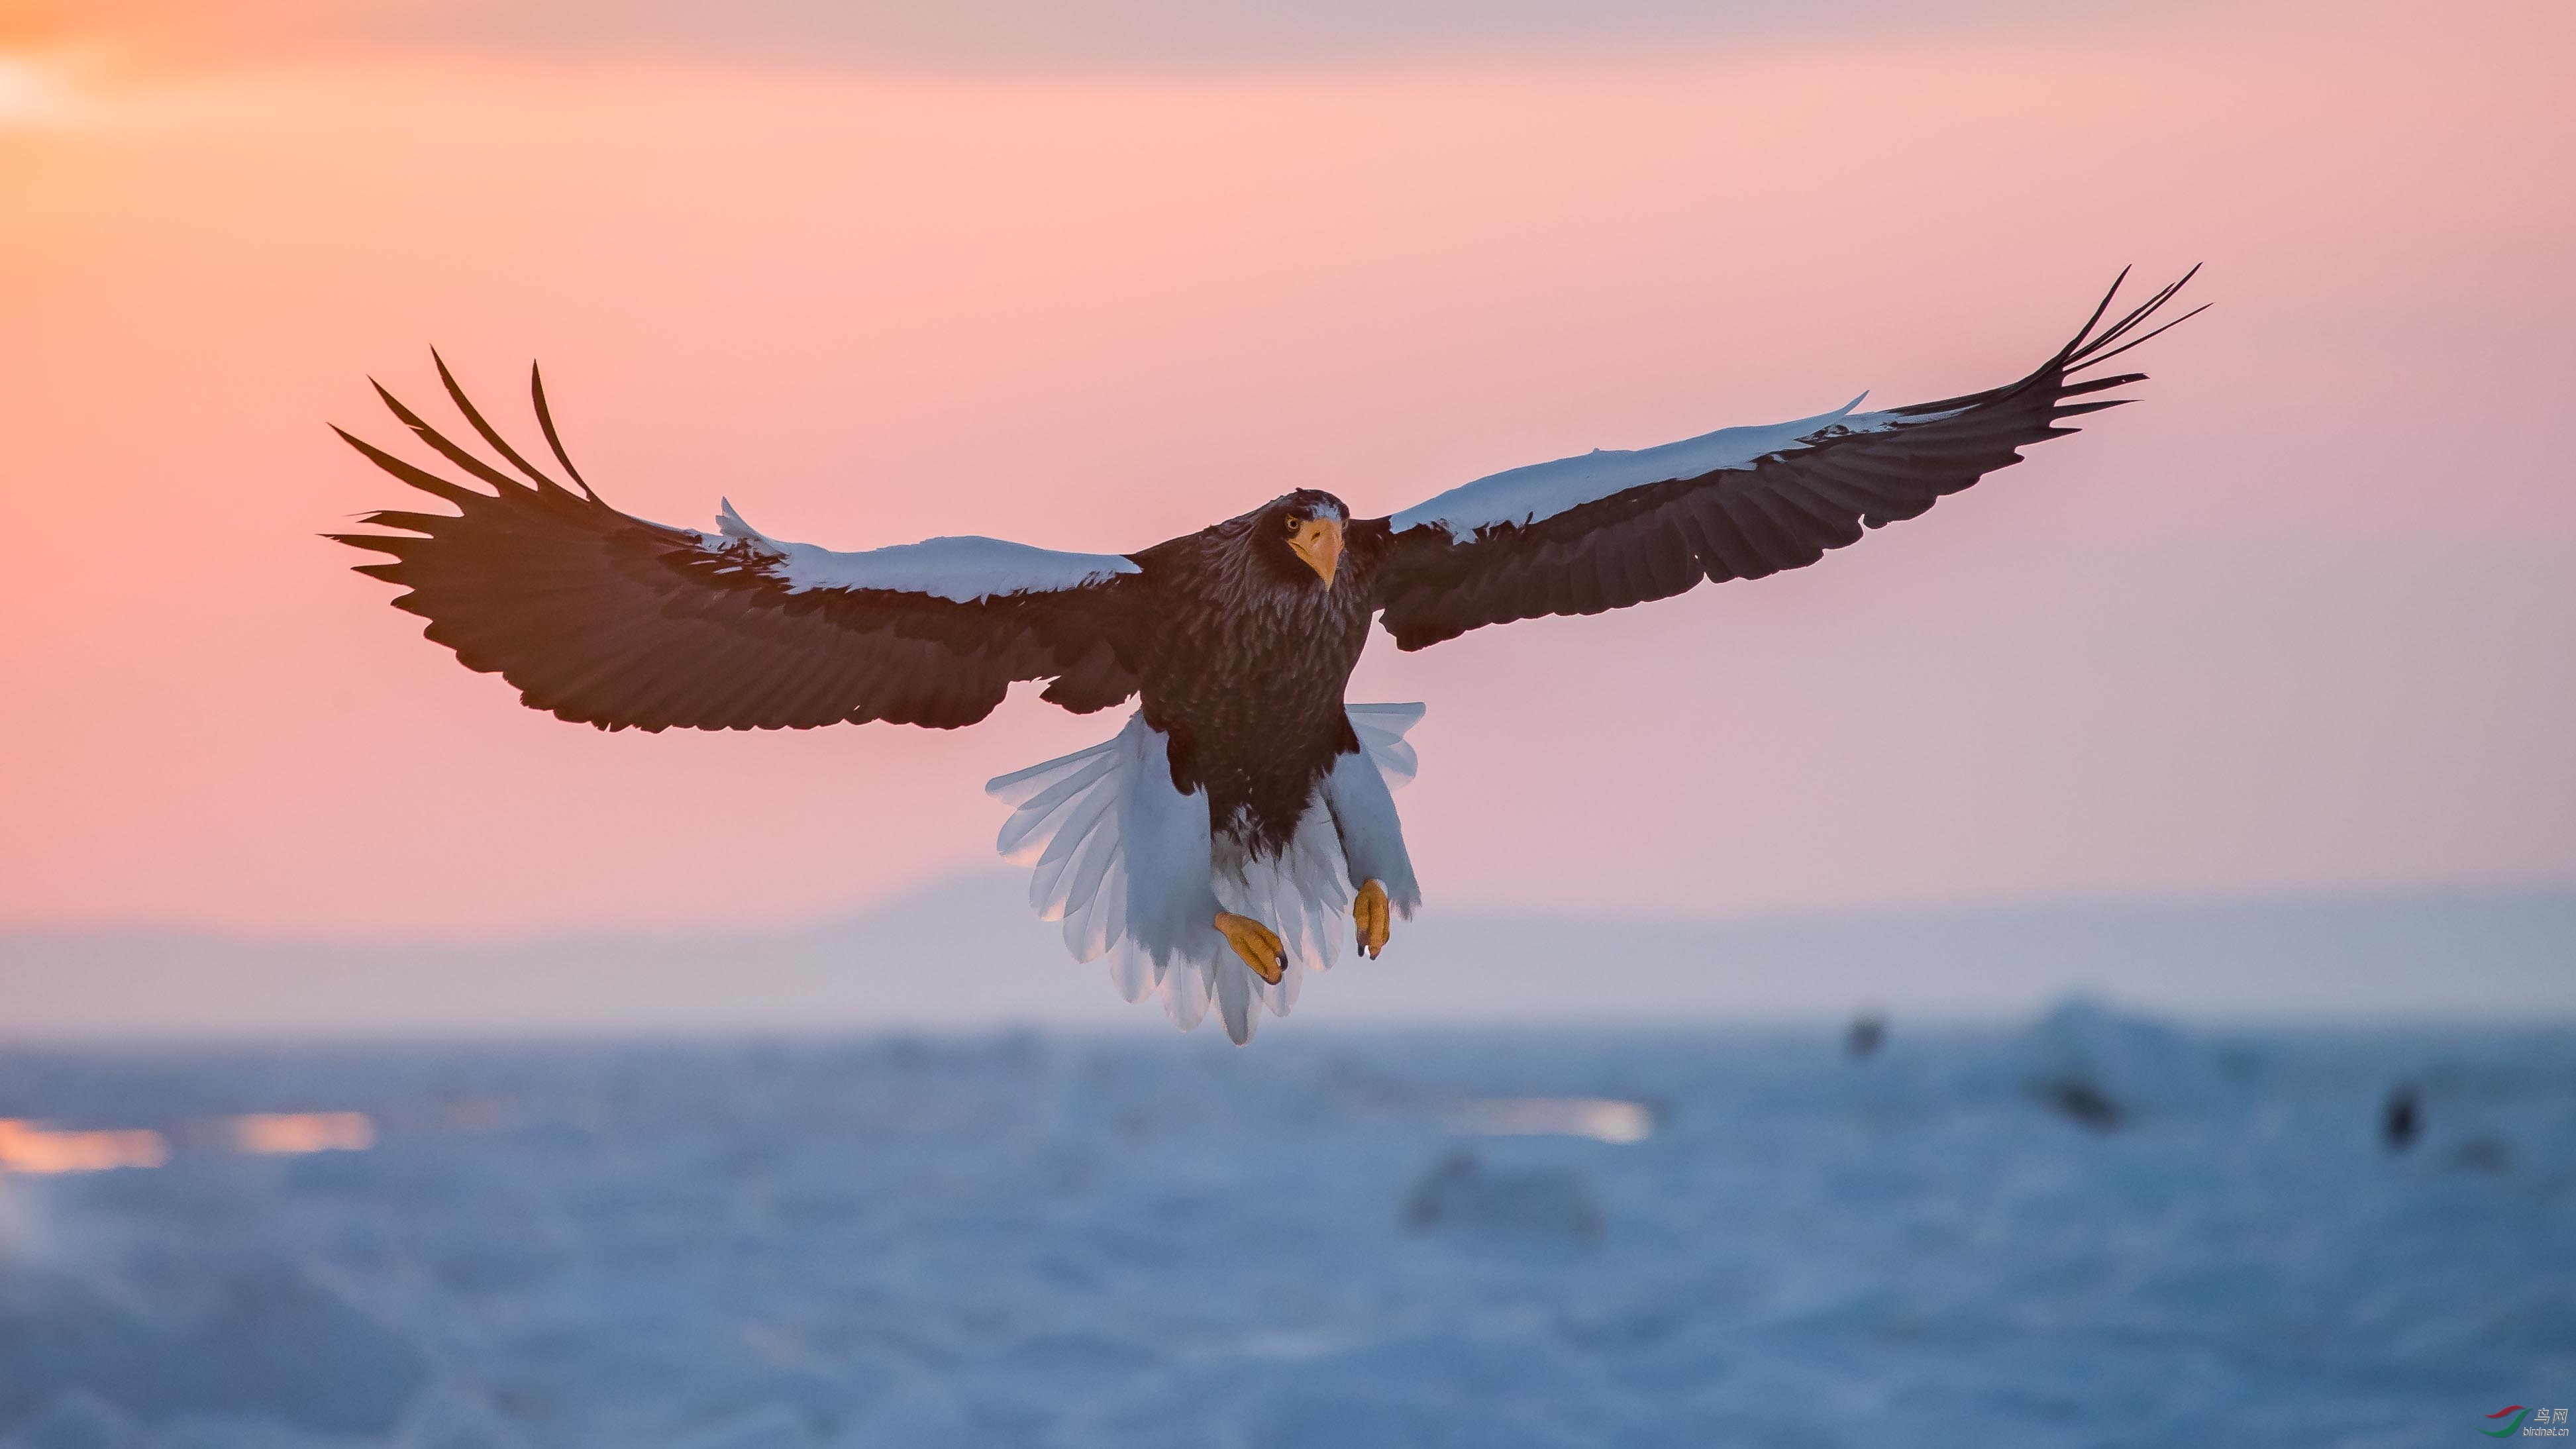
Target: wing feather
x=612, y=620
x=1607, y=530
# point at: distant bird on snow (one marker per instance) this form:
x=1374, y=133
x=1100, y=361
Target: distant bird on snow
x=1212, y=849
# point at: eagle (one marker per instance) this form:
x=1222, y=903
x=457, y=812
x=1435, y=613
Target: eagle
x=1241, y=825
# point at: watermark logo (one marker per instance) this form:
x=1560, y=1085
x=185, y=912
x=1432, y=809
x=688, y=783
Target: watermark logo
x=2530, y=1423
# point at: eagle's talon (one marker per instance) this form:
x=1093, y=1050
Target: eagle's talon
x=1371, y=916
x=1256, y=943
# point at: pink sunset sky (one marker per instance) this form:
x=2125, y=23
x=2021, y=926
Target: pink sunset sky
x=2300, y=619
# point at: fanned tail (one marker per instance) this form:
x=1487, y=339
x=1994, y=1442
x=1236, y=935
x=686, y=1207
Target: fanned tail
x=1131, y=868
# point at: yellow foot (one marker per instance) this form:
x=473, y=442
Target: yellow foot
x=1370, y=914
x=1256, y=943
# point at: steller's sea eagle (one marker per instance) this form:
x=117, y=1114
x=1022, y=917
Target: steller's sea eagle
x=1213, y=848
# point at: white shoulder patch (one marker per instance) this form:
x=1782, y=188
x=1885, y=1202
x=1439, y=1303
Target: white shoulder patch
x=965, y=569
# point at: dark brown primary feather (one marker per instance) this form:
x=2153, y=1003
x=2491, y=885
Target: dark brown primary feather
x=1784, y=512
x=610, y=620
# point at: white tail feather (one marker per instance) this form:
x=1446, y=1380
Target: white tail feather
x=1186, y=989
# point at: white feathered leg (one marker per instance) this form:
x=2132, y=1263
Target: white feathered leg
x=1371, y=836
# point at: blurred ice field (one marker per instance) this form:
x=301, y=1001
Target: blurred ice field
x=1487, y=1239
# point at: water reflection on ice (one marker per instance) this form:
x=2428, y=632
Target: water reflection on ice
x=32, y=1147
x=39, y=1149
x=1602, y=1119
x=289, y=1134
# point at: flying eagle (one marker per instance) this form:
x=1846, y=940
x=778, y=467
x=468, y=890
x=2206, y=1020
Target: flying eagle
x=1241, y=825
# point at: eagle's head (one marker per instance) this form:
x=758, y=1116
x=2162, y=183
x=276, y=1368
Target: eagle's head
x=1302, y=531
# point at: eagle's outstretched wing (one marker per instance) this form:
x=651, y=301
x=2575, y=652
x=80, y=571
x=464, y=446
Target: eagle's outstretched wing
x=610, y=620
x=1606, y=530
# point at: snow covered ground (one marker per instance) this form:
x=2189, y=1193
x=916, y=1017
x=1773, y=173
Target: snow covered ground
x=2094, y=1231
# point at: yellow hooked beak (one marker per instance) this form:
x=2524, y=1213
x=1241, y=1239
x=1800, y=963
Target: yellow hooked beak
x=1319, y=542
